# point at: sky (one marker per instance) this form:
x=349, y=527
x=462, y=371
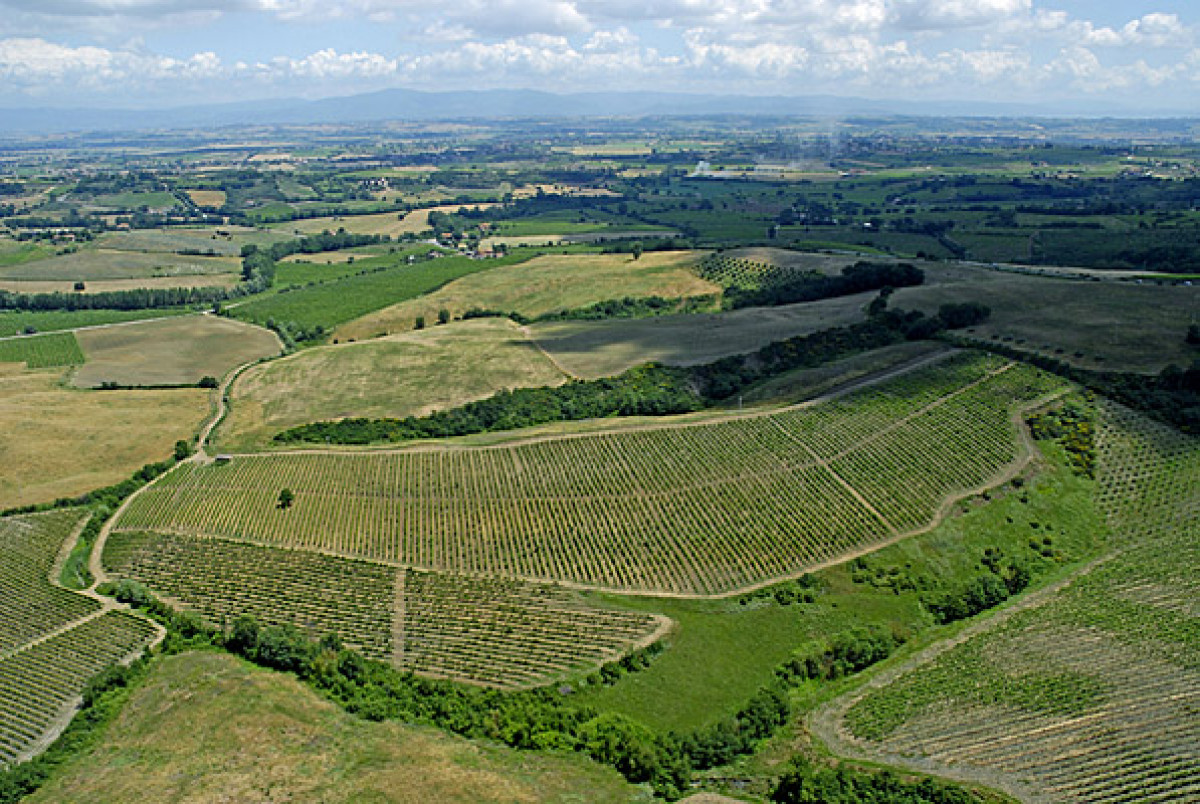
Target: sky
x=1130, y=55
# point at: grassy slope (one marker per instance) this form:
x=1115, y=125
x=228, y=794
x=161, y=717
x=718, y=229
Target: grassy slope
x=541, y=285
x=208, y=727
x=82, y=440
x=172, y=351
x=723, y=651
x=410, y=374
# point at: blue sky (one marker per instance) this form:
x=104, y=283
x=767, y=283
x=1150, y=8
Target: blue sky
x=1130, y=55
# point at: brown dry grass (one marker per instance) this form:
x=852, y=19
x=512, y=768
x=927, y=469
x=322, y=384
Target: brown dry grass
x=403, y=375
x=207, y=198
x=542, y=285
x=57, y=442
x=171, y=351
x=207, y=727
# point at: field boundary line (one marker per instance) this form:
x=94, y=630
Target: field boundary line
x=98, y=326
x=532, y=341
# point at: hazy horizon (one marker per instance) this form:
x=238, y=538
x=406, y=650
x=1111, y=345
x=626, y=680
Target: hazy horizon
x=1133, y=57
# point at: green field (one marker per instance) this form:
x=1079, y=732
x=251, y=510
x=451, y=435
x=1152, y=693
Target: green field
x=13, y=322
x=412, y=374
x=207, y=726
x=42, y=351
x=643, y=510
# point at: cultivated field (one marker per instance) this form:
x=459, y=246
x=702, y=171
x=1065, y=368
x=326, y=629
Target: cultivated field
x=1096, y=325
x=490, y=631
x=402, y=375
x=652, y=510
x=60, y=442
x=207, y=198
x=1087, y=694
x=42, y=351
x=97, y=264
x=52, y=641
x=592, y=349
x=106, y=285
x=172, y=351
x=226, y=241
x=394, y=224
x=543, y=285
x=210, y=727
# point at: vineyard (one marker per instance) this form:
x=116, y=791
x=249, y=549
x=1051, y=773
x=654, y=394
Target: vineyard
x=490, y=631
x=42, y=351
x=52, y=641
x=1093, y=694
x=746, y=274
x=700, y=509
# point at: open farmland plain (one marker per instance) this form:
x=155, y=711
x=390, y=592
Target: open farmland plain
x=411, y=374
x=52, y=641
x=789, y=491
x=171, y=351
x=1087, y=693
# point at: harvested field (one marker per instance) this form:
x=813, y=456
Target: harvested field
x=592, y=349
x=394, y=224
x=95, y=264
x=173, y=351
x=107, y=285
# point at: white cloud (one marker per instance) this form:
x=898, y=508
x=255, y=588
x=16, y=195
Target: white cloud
x=948, y=14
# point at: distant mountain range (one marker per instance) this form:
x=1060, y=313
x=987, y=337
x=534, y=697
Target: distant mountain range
x=413, y=105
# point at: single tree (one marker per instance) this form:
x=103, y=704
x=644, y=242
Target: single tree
x=286, y=498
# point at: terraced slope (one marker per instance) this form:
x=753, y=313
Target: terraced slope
x=702, y=509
